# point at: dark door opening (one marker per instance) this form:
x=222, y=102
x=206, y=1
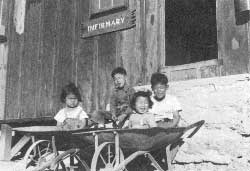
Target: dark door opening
x=191, y=34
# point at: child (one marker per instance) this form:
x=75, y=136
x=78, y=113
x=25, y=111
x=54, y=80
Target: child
x=166, y=107
x=141, y=118
x=121, y=96
x=72, y=115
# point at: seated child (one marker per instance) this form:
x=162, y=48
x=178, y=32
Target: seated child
x=141, y=118
x=119, y=101
x=121, y=95
x=72, y=115
x=166, y=107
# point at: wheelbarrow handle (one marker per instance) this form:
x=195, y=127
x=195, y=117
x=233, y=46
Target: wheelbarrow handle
x=62, y=156
x=196, y=125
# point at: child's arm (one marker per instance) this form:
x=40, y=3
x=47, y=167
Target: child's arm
x=83, y=117
x=60, y=117
x=113, y=105
x=176, y=119
x=84, y=122
x=59, y=123
x=176, y=113
x=174, y=122
x=130, y=125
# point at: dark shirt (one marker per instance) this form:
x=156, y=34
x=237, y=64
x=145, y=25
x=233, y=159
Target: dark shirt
x=120, y=101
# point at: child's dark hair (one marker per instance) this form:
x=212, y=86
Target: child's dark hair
x=145, y=94
x=157, y=78
x=70, y=89
x=118, y=70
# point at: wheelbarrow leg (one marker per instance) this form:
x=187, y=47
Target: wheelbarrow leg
x=171, y=151
x=169, y=157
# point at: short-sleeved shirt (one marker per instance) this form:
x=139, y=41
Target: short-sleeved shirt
x=73, y=113
x=164, y=109
x=120, y=101
x=142, y=120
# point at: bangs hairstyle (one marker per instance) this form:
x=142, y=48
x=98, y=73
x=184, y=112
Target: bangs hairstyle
x=158, y=78
x=145, y=94
x=70, y=89
x=118, y=70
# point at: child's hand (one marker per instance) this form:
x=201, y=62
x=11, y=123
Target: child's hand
x=145, y=123
x=114, y=118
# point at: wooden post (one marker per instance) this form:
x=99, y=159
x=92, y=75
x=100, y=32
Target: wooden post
x=19, y=145
x=117, y=148
x=4, y=17
x=96, y=141
x=5, y=142
x=248, y=39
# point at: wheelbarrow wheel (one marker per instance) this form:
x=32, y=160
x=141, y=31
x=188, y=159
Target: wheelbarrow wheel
x=69, y=160
x=105, y=158
x=38, y=153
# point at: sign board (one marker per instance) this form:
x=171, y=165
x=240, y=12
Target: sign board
x=115, y=22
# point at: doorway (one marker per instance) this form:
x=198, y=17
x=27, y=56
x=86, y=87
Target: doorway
x=190, y=29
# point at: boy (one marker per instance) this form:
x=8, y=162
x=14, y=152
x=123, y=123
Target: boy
x=121, y=96
x=166, y=107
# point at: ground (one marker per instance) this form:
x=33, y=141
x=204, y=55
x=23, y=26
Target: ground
x=223, y=142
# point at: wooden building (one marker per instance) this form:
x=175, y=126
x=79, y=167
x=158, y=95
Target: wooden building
x=52, y=42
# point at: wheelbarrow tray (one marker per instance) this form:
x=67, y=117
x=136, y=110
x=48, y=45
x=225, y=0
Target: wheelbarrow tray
x=135, y=139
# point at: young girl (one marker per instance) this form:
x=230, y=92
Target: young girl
x=141, y=118
x=72, y=115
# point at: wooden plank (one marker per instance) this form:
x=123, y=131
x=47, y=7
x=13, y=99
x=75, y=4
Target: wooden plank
x=161, y=33
x=130, y=56
x=235, y=58
x=19, y=145
x=143, y=6
x=75, y=38
x=185, y=74
x=201, y=69
x=151, y=30
x=209, y=71
x=13, y=86
x=56, y=55
x=85, y=60
x=85, y=73
x=107, y=24
x=3, y=55
x=95, y=100
x=64, y=66
x=106, y=63
x=31, y=62
x=25, y=120
x=3, y=72
x=5, y=142
x=47, y=57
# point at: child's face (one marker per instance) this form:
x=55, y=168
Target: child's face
x=119, y=80
x=160, y=90
x=71, y=101
x=141, y=105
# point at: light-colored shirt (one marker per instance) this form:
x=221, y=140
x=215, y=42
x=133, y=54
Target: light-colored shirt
x=165, y=108
x=145, y=120
x=73, y=113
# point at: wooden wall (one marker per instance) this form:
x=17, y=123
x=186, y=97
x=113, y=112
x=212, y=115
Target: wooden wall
x=232, y=40
x=4, y=17
x=233, y=49
x=50, y=53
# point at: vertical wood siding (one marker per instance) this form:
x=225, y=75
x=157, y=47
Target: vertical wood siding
x=50, y=53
